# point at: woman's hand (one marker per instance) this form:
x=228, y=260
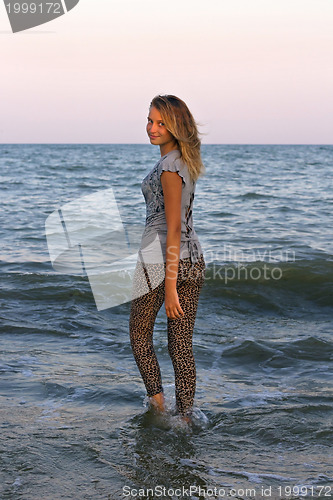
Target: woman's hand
x=172, y=305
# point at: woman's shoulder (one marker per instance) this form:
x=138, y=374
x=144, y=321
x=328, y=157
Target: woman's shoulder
x=172, y=162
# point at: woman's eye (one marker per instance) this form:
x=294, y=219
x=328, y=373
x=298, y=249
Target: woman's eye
x=161, y=124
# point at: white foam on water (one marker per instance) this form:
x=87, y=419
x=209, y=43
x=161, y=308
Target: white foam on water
x=170, y=420
x=78, y=393
x=50, y=409
x=246, y=399
x=33, y=360
x=17, y=483
x=253, y=477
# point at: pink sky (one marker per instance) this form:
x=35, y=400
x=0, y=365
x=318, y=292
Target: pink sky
x=251, y=71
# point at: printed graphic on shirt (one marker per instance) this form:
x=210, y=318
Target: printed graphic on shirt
x=155, y=210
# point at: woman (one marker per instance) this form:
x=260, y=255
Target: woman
x=173, y=271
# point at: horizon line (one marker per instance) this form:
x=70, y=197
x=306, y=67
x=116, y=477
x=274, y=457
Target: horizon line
x=147, y=144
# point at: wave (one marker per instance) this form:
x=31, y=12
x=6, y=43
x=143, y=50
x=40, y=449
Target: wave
x=280, y=354
x=289, y=289
x=254, y=195
x=273, y=285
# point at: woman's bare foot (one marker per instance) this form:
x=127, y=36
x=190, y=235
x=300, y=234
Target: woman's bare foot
x=186, y=419
x=158, y=402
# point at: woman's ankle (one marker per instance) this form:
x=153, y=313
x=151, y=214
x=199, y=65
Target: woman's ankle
x=158, y=402
x=187, y=416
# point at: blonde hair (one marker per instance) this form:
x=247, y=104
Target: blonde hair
x=180, y=123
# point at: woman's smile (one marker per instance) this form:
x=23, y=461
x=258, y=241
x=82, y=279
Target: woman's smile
x=157, y=132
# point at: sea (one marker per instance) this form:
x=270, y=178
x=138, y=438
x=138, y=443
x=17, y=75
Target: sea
x=74, y=417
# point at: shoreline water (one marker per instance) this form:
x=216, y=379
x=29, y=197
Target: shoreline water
x=74, y=419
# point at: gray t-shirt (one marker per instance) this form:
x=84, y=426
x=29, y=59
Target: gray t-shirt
x=153, y=243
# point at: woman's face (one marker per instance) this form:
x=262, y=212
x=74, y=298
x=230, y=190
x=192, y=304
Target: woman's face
x=156, y=130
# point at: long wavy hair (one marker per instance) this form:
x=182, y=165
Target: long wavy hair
x=180, y=123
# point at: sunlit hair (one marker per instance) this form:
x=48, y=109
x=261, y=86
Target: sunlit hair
x=180, y=123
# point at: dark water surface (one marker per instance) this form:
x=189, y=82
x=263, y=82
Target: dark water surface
x=74, y=419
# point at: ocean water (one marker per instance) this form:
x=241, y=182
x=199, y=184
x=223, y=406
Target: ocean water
x=74, y=417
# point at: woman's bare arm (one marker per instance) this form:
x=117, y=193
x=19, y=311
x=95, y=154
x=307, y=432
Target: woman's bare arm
x=172, y=193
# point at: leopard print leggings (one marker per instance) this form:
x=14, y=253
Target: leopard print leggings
x=144, y=309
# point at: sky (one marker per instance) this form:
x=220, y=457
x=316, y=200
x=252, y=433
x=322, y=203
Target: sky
x=251, y=71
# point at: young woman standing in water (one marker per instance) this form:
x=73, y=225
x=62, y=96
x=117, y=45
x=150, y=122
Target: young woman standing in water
x=177, y=277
